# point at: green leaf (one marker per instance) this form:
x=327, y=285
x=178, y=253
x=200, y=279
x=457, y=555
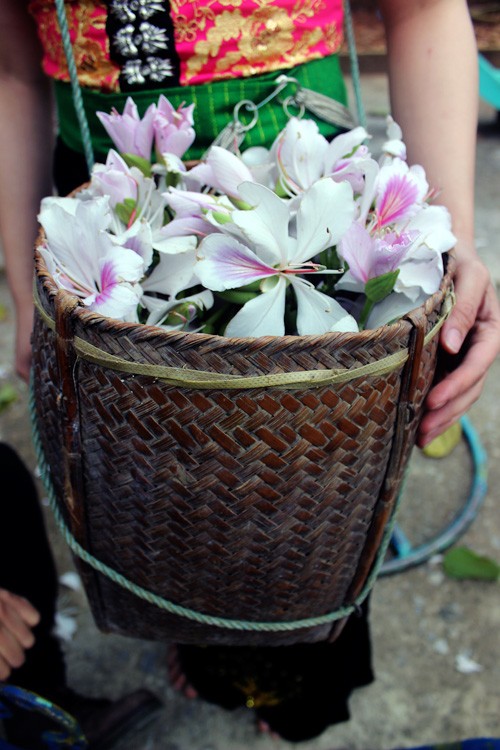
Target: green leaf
x=132, y=160
x=8, y=395
x=380, y=287
x=3, y=313
x=125, y=210
x=463, y=563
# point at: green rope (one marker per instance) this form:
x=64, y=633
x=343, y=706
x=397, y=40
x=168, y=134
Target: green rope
x=185, y=612
x=75, y=85
x=353, y=57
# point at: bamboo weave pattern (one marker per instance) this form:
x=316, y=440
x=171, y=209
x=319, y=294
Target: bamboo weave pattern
x=266, y=504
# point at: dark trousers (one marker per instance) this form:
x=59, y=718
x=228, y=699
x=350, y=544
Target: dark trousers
x=27, y=569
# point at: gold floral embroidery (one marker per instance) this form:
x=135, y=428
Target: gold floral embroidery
x=87, y=23
x=247, y=39
x=189, y=30
x=332, y=37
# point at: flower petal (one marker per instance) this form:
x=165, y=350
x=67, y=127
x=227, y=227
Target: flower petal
x=415, y=276
x=266, y=225
x=342, y=146
x=224, y=263
x=139, y=239
x=326, y=212
x=176, y=244
x=299, y=151
x=262, y=316
x=75, y=235
x=223, y=171
x=356, y=248
x=173, y=274
x=393, y=308
x=116, y=300
x=433, y=223
x=317, y=312
x=400, y=191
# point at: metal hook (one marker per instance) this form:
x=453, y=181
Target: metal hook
x=250, y=107
x=291, y=100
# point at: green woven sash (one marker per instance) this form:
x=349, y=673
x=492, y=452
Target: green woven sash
x=214, y=106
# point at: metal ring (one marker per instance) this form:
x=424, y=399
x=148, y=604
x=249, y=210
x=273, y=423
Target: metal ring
x=290, y=100
x=250, y=107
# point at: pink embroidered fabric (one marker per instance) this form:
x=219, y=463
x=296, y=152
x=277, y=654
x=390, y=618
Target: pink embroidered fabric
x=212, y=39
x=217, y=40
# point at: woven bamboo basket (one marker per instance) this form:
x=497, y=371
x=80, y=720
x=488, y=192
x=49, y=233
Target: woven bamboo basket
x=218, y=490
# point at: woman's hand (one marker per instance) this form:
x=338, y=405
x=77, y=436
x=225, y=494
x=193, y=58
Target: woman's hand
x=17, y=619
x=470, y=339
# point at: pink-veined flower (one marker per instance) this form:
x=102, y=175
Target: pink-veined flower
x=86, y=260
x=130, y=133
x=420, y=269
x=300, y=156
x=400, y=191
x=114, y=179
x=221, y=170
x=369, y=256
x=173, y=128
x=276, y=247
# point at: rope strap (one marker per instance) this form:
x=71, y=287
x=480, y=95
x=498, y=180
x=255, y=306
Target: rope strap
x=75, y=85
x=186, y=612
x=201, y=379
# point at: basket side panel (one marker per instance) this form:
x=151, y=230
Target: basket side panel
x=248, y=506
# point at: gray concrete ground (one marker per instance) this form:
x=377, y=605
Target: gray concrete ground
x=436, y=645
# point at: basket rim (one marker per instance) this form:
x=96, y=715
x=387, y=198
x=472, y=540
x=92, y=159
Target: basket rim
x=90, y=317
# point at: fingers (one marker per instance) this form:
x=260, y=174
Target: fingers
x=481, y=351
x=472, y=335
x=472, y=287
x=17, y=617
x=435, y=422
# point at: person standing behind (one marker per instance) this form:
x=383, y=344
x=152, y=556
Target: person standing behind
x=203, y=48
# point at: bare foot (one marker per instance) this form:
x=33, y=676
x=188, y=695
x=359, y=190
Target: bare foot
x=176, y=676
x=264, y=728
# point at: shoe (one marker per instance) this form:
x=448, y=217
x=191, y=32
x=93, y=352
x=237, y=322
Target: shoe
x=104, y=722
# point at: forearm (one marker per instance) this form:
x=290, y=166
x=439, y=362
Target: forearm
x=433, y=86
x=25, y=176
x=25, y=159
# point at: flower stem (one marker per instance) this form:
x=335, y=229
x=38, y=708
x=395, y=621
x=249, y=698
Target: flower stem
x=209, y=326
x=365, y=312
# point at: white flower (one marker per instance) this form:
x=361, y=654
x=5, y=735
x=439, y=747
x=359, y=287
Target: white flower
x=276, y=247
x=222, y=171
x=86, y=260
